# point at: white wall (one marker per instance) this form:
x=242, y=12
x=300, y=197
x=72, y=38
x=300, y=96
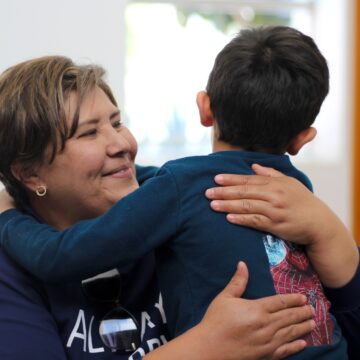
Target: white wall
x=85, y=30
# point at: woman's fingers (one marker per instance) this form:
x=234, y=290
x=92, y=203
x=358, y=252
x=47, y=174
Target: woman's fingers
x=254, y=221
x=288, y=322
x=288, y=349
x=273, y=304
x=278, y=322
x=256, y=214
x=266, y=171
x=295, y=331
x=235, y=179
x=242, y=206
x=237, y=284
x=289, y=339
x=247, y=191
x=289, y=317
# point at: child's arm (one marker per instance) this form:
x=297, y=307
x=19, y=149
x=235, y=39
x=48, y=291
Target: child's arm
x=144, y=173
x=133, y=226
x=283, y=206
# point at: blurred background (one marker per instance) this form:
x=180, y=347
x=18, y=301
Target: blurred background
x=158, y=54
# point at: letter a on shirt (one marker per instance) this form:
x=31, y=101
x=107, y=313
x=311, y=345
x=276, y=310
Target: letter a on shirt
x=80, y=322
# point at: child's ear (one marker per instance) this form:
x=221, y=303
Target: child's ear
x=300, y=140
x=28, y=178
x=203, y=103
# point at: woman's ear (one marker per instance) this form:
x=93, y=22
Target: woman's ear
x=28, y=178
x=300, y=140
x=203, y=103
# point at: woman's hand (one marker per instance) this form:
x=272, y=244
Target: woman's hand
x=281, y=205
x=239, y=329
x=269, y=202
x=6, y=201
x=267, y=328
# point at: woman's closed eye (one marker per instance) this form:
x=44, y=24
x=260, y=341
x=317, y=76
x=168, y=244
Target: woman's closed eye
x=117, y=124
x=90, y=132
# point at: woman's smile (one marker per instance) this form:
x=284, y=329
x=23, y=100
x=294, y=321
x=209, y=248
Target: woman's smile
x=121, y=172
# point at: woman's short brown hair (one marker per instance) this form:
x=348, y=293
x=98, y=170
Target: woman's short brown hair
x=32, y=112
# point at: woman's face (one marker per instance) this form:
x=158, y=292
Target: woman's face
x=96, y=168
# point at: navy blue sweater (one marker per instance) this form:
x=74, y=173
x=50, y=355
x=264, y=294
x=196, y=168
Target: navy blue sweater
x=196, y=249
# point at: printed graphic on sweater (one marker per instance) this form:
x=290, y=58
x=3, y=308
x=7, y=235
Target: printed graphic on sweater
x=293, y=273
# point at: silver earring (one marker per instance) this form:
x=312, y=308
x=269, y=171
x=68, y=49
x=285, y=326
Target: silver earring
x=41, y=190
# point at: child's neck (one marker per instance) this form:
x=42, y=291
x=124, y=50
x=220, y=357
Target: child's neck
x=219, y=145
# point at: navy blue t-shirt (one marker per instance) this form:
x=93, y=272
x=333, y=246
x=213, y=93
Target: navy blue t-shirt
x=41, y=321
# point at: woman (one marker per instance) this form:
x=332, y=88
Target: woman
x=60, y=127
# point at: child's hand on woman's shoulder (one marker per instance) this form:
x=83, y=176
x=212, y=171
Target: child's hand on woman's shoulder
x=6, y=201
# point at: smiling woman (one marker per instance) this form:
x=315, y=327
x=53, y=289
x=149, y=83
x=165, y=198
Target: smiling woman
x=99, y=153
x=99, y=163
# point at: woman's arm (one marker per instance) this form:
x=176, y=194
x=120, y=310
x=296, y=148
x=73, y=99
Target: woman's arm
x=239, y=329
x=345, y=305
x=282, y=206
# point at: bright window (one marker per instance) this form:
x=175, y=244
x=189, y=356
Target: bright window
x=171, y=47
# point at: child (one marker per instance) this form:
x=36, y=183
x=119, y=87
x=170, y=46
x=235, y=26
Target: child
x=263, y=94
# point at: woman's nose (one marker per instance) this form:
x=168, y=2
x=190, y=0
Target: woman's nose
x=118, y=142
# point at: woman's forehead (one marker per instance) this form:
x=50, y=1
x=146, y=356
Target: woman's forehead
x=94, y=104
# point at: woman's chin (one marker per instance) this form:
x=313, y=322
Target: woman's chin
x=124, y=191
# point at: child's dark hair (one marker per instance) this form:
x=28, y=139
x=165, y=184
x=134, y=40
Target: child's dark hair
x=266, y=86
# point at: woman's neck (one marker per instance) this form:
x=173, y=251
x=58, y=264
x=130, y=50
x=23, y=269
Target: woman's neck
x=54, y=215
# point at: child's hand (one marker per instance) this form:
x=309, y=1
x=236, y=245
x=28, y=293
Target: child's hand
x=6, y=201
x=281, y=205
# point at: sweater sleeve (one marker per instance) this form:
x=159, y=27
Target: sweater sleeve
x=131, y=228
x=144, y=173
x=27, y=329
x=345, y=305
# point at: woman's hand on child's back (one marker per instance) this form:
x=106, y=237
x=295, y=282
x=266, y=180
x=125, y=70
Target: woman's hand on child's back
x=267, y=328
x=237, y=329
x=272, y=202
x=268, y=202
